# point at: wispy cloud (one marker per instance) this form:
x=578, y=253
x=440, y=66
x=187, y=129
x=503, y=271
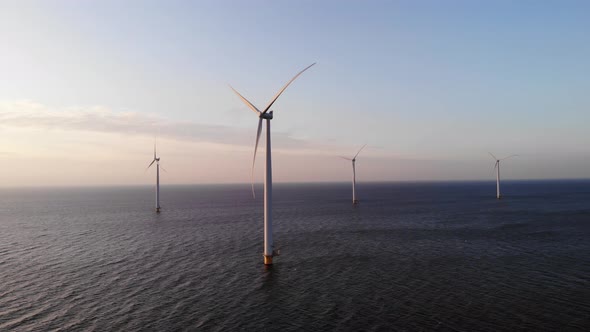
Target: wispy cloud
x=104, y=120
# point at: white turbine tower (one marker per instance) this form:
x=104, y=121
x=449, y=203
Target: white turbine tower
x=497, y=169
x=157, y=161
x=353, y=159
x=266, y=115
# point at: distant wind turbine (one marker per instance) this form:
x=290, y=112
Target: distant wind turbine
x=269, y=251
x=353, y=159
x=157, y=161
x=497, y=168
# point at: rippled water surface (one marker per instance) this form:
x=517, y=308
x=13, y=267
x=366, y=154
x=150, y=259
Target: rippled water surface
x=411, y=256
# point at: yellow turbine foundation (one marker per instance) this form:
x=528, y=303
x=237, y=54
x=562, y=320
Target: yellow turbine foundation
x=267, y=260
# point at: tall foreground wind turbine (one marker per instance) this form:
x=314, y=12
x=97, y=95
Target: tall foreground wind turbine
x=497, y=168
x=353, y=159
x=157, y=161
x=266, y=115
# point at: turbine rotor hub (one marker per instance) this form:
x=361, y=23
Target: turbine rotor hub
x=267, y=115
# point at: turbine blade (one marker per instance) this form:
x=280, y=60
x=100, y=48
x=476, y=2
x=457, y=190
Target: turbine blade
x=153, y=161
x=514, y=155
x=493, y=156
x=359, y=151
x=283, y=89
x=163, y=169
x=154, y=147
x=246, y=101
x=254, y=158
x=345, y=158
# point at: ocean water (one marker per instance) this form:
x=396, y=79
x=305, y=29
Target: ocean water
x=410, y=257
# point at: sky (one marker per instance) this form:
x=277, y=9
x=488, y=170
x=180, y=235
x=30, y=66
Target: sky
x=430, y=86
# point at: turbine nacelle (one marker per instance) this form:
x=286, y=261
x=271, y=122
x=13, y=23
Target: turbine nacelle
x=266, y=116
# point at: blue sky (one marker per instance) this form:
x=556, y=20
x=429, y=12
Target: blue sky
x=431, y=86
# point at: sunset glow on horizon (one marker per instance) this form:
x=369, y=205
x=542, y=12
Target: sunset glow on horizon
x=430, y=87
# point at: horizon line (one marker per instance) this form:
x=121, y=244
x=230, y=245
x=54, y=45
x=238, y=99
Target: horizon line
x=283, y=183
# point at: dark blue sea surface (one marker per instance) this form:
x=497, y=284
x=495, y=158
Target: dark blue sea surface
x=409, y=257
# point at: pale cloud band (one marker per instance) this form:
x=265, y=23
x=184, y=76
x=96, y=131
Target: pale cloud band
x=25, y=114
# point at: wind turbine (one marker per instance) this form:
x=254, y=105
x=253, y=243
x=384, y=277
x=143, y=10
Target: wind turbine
x=353, y=159
x=269, y=251
x=497, y=168
x=157, y=161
